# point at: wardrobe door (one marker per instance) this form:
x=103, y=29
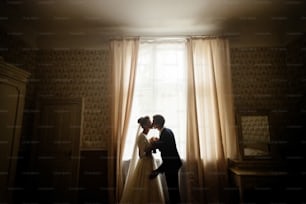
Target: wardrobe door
x=8, y=111
x=12, y=91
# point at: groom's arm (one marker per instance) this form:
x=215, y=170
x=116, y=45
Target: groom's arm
x=158, y=145
x=163, y=141
x=160, y=169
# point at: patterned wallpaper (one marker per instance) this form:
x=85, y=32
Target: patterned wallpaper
x=295, y=122
x=64, y=73
x=79, y=73
x=272, y=80
x=260, y=78
x=296, y=62
x=263, y=78
x=259, y=82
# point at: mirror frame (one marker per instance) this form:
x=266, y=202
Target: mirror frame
x=248, y=113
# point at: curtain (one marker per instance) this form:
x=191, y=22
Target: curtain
x=211, y=137
x=123, y=61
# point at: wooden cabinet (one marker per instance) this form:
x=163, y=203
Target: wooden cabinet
x=12, y=94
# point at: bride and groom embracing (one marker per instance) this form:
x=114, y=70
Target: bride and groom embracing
x=143, y=184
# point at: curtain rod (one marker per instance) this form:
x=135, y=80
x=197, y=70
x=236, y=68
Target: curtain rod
x=165, y=37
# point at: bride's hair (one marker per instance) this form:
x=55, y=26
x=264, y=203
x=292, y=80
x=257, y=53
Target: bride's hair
x=142, y=121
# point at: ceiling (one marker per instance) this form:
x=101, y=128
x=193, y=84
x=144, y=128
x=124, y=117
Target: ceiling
x=88, y=23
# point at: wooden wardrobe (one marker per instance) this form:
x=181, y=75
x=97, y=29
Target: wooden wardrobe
x=12, y=94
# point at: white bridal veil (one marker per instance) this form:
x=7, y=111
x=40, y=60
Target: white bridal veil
x=133, y=160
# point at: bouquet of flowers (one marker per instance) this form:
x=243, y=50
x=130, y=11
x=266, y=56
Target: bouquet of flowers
x=152, y=140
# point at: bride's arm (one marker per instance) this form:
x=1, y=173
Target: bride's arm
x=144, y=147
x=149, y=148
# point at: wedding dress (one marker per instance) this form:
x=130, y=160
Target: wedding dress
x=139, y=188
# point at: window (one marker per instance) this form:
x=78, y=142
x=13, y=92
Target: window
x=160, y=88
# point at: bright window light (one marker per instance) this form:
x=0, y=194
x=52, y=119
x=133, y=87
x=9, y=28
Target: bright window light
x=160, y=88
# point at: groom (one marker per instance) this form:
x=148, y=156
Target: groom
x=171, y=159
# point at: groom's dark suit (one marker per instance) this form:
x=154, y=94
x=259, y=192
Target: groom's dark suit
x=171, y=162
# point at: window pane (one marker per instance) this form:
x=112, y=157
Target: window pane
x=160, y=88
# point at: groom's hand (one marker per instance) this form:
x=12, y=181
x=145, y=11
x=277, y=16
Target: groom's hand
x=153, y=174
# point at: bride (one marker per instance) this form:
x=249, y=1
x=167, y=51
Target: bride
x=138, y=187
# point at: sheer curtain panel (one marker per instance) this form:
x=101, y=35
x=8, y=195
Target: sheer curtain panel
x=123, y=61
x=211, y=135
